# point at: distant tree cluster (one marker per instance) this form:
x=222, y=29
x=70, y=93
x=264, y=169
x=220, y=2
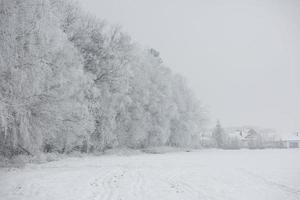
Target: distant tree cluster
x=218, y=134
x=69, y=81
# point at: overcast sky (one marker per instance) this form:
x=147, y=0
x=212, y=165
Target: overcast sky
x=241, y=58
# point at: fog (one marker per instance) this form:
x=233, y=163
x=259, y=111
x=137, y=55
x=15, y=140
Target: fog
x=241, y=58
x=151, y=110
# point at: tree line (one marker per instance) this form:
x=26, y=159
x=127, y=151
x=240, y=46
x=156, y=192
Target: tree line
x=70, y=81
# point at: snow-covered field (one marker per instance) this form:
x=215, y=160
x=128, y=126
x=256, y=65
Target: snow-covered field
x=207, y=174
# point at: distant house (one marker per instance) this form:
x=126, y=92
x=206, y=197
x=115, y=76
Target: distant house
x=291, y=141
x=247, y=138
x=253, y=139
x=252, y=134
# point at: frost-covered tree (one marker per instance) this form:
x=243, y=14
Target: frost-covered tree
x=68, y=81
x=106, y=53
x=219, y=135
x=188, y=118
x=146, y=122
x=41, y=80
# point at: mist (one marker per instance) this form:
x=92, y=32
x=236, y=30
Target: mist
x=143, y=100
x=241, y=58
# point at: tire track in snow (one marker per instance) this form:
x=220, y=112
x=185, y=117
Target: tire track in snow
x=28, y=189
x=137, y=182
x=98, y=187
x=273, y=183
x=111, y=184
x=178, y=183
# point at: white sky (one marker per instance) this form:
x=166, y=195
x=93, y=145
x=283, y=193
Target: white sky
x=242, y=58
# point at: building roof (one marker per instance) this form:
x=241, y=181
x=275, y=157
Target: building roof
x=291, y=137
x=244, y=134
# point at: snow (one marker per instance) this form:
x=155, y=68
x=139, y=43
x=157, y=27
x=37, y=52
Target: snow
x=206, y=174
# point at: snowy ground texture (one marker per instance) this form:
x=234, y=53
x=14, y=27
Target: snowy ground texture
x=207, y=174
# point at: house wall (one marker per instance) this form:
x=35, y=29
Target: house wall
x=293, y=144
x=285, y=144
